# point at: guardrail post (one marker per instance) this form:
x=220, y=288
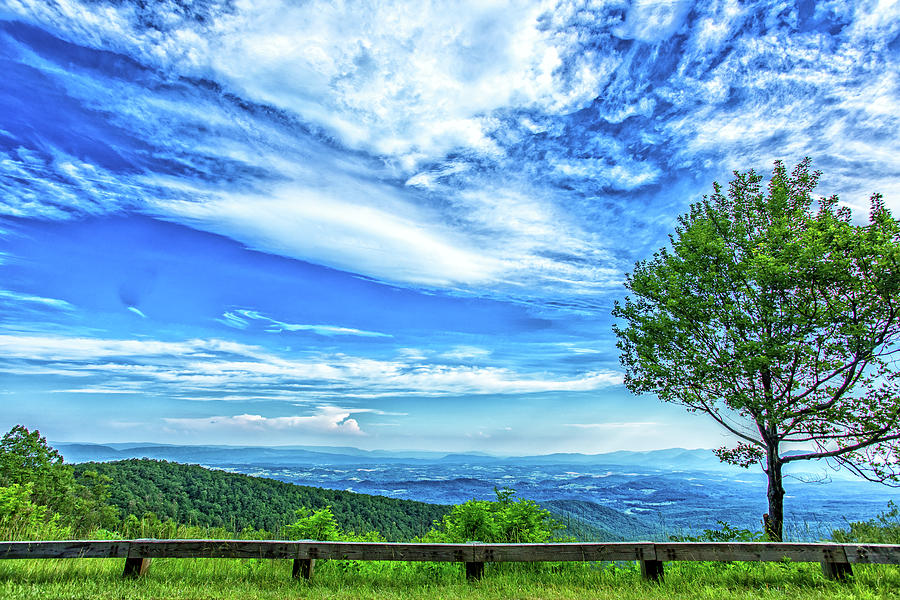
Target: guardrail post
x=652, y=570
x=838, y=571
x=835, y=564
x=135, y=566
x=474, y=570
x=303, y=568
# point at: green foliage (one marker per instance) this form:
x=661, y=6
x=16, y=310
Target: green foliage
x=314, y=525
x=151, y=526
x=22, y=519
x=254, y=579
x=321, y=525
x=883, y=529
x=193, y=495
x=27, y=459
x=779, y=321
x=505, y=521
x=725, y=533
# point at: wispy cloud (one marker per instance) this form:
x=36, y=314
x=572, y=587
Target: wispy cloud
x=231, y=319
x=97, y=390
x=622, y=425
x=484, y=149
x=465, y=353
x=513, y=157
x=137, y=311
x=240, y=319
x=222, y=369
x=32, y=301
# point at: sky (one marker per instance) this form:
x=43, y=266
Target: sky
x=392, y=225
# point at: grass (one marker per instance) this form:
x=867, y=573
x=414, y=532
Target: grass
x=268, y=579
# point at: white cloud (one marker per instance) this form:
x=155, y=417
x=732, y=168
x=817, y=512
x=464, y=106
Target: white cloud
x=326, y=420
x=231, y=319
x=220, y=369
x=242, y=398
x=384, y=146
x=137, y=311
x=62, y=348
x=619, y=425
x=34, y=301
x=351, y=68
x=654, y=20
x=96, y=390
x=275, y=326
x=466, y=353
x=625, y=174
x=412, y=354
x=338, y=230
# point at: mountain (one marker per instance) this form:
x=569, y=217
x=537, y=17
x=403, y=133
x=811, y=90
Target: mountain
x=76, y=453
x=194, y=495
x=219, y=456
x=671, y=458
x=215, y=455
x=471, y=458
x=592, y=522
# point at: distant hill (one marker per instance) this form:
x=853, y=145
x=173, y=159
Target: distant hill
x=592, y=522
x=218, y=456
x=194, y=495
x=215, y=455
x=670, y=458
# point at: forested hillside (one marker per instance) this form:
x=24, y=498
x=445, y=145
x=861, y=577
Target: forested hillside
x=195, y=495
x=590, y=521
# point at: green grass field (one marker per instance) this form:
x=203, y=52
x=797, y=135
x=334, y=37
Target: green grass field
x=265, y=579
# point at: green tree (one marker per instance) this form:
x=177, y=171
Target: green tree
x=779, y=322
x=25, y=457
x=27, y=460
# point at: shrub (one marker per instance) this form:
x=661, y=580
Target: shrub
x=883, y=529
x=321, y=525
x=22, y=519
x=725, y=533
x=503, y=521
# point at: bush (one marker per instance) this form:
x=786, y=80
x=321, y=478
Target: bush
x=503, y=521
x=22, y=519
x=321, y=525
x=725, y=533
x=883, y=529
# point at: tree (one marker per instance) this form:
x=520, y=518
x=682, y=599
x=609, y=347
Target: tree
x=780, y=323
x=26, y=457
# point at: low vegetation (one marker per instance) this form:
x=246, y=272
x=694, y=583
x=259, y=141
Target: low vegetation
x=227, y=579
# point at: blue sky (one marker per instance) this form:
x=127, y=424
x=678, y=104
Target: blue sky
x=389, y=225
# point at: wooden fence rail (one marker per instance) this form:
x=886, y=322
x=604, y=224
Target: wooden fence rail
x=836, y=559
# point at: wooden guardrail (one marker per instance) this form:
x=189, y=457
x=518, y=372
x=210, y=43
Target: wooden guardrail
x=836, y=559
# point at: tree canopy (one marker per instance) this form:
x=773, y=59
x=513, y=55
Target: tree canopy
x=29, y=464
x=779, y=321
x=25, y=457
x=199, y=496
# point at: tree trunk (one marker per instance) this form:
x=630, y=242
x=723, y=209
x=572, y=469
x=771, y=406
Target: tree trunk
x=773, y=522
